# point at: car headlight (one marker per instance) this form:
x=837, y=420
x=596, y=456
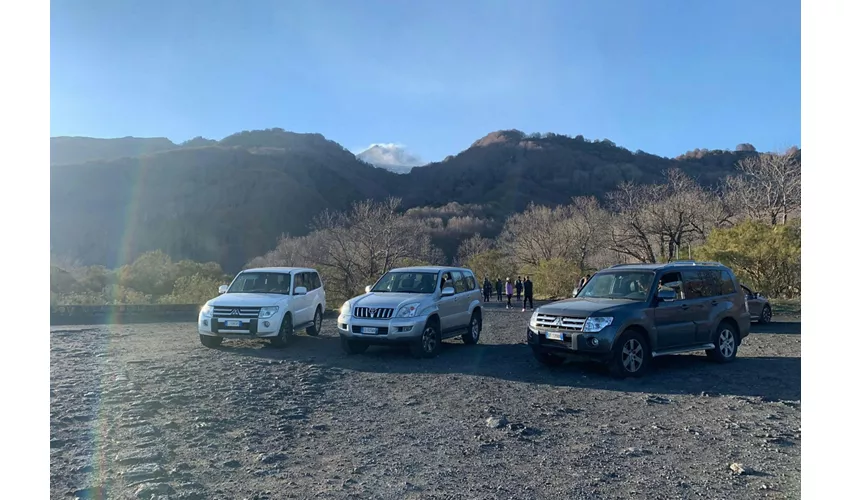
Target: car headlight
x=268, y=312
x=534, y=317
x=408, y=310
x=345, y=310
x=595, y=324
x=207, y=310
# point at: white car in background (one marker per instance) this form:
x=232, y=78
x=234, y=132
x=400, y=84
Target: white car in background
x=264, y=303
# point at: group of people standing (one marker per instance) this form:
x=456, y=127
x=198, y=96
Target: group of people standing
x=522, y=288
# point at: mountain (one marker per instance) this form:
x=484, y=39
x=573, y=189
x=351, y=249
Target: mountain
x=229, y=200
x=509, y=169
x=70, y=150
x=226, y=202
x=392, y=157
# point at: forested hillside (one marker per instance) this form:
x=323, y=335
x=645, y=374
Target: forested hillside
x=228, y=201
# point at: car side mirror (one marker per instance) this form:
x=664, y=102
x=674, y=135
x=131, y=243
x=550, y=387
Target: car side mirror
x=300, y=290
x=222, y=289
x=667, y=295
x=447, y=291
x=575, y=292
x=368, y=288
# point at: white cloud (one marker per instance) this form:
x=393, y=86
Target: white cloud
x=391, y=156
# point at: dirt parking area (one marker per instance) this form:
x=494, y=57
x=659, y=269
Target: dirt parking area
x=144, y=411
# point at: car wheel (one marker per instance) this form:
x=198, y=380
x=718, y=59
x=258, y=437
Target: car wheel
x=766, y=315
x=285, y=334
x=725, y=343
x=351, y=346
x=473, y=331
x=631, y=355
x=210, y=341
x=429, y=343
x=544, y=358
x=317, y=323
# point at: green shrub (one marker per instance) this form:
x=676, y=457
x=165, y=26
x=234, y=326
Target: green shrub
x=764, y=257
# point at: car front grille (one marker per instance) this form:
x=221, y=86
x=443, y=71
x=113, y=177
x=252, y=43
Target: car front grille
x=373, y=312
x=559, y=323
x=235, y=312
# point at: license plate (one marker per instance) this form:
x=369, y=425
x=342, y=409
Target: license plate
x=236, y=324
x=555, y=335
x=368, y=330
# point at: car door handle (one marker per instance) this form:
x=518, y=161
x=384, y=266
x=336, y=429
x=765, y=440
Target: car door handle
x=714, y=302
x=685, y=306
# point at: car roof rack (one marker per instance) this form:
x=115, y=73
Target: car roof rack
x=695, y=263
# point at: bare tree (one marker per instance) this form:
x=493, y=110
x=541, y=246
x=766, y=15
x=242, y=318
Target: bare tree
x=652, y=222
x=768, y=187
x=355, y=249
x=289, y=252
x=537, y=234
x=585, y=220
x=471, y=247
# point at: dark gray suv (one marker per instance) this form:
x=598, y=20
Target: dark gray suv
x=628, y=314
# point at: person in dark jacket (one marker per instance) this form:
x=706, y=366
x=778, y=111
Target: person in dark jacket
x=528, y=291
x=499, y=289
x=488, y=289
x=518, y=288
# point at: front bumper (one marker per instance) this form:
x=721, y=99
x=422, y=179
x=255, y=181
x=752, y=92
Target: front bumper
x=581, y=343
x=248, y=328
x=394, y=330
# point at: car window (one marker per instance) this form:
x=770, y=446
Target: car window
x=633, y=285
x=727, y=286
x=260, y=283
x=299, y=281
x=669, y=279
x=405, y=282
x=701, y=283
x=470, y=280
x=446, y=280
x=459, y=282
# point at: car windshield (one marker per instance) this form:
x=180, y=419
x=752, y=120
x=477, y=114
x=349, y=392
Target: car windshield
x=261, y=283
x=632, y=285
x=406, y=282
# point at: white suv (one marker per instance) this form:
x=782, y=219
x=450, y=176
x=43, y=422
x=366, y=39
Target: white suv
x=269, y=303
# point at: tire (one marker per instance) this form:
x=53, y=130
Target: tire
x=314, y=330
x=766, y=315
x=351, y=346
x=631, y=355
x=429, y=343
x=546, y=359
x=210, y=341
x=725, y=343
x=285, y=334
x=473, y=331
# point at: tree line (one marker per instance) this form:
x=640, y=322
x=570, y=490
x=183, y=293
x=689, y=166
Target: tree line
x=750, y=221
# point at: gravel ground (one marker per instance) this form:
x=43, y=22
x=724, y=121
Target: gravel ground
x=144, y=411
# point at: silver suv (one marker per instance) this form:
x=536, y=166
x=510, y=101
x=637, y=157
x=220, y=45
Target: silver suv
x=418, y=306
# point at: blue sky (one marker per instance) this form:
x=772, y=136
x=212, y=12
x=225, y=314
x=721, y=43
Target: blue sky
x=661, y=76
